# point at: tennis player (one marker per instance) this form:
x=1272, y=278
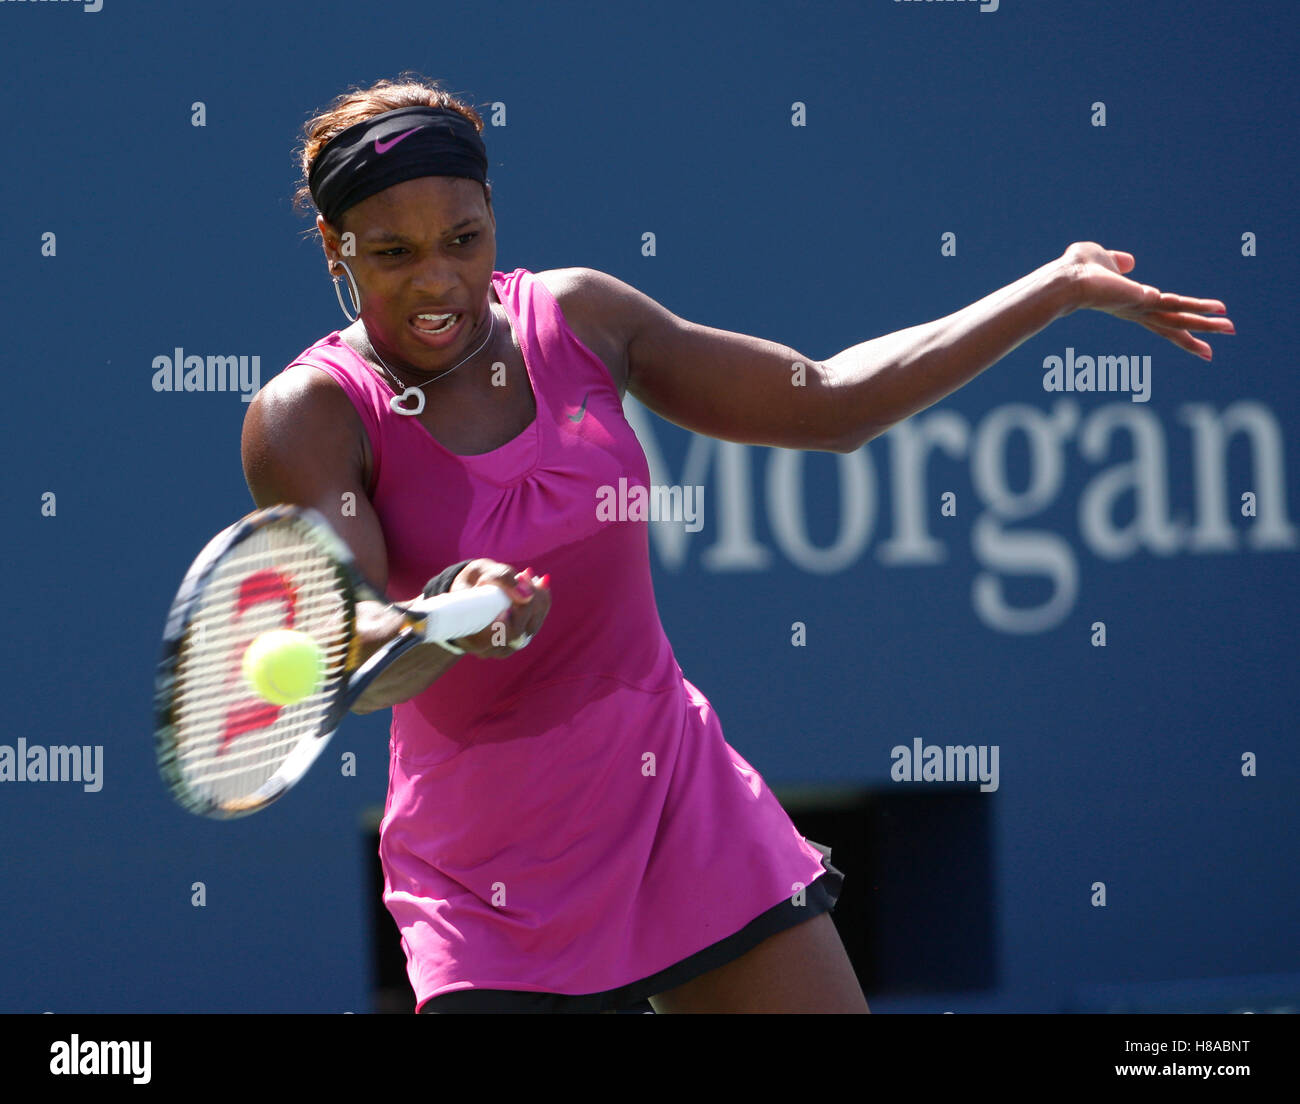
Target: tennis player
x=567, y=830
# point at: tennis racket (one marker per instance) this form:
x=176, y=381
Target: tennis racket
x=223, y=750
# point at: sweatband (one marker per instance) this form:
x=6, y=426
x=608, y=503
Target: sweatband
x=390, y=148
x=441, y=584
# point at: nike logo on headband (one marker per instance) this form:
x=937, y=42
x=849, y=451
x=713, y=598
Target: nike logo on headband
x=384, y=147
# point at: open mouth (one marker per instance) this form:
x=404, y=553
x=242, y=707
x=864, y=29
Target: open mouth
x=435, y=324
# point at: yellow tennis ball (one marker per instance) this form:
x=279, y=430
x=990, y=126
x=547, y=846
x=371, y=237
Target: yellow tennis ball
x=283, y=666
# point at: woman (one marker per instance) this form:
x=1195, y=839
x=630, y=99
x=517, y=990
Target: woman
x=566, y=827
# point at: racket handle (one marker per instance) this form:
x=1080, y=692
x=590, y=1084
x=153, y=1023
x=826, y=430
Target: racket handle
x=460, y=613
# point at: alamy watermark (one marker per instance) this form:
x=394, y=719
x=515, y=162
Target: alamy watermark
x=88, y=5
x=1103, y=373
x=946, y=763
x=212, y=373
x=60, y=763
x=662, y=502
x=983, y=5
x=95, y=1057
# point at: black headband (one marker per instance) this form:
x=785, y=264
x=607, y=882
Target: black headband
x=387, y=149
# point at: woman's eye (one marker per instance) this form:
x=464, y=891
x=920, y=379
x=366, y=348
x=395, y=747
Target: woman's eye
x=397, y=249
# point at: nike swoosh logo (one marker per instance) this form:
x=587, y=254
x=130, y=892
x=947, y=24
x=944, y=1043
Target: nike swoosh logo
x=578, y=416
x=384, y=147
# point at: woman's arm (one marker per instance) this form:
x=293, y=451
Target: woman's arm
x=883, y=382
x=888, y=379
x=302, y=445
x=747, y=389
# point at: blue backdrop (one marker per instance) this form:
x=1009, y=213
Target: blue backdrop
x=129, y=232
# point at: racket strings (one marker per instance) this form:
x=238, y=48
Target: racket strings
x=229, y=741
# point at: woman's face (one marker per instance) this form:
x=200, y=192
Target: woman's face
x=425, y=246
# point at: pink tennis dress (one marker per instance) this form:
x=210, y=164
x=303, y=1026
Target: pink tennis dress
x=570, y=819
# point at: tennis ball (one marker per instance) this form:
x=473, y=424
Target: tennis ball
x=283, y=666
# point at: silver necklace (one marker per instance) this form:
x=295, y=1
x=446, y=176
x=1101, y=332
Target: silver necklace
x=415, y=391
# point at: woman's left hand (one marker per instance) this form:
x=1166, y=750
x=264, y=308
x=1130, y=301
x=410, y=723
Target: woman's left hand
x=1100, y=284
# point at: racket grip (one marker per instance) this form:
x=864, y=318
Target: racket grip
x=461, y=612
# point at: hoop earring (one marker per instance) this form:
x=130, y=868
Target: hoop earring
x=354, y=293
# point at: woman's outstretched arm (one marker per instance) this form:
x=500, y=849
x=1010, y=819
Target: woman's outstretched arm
x=881, y=382
x=748, y=389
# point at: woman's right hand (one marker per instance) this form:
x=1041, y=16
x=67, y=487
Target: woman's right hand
x=530, y=601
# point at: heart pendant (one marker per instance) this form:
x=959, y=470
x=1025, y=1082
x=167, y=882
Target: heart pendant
x=411, y=392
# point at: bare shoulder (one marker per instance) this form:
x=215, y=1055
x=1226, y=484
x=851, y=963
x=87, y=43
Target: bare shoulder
x=603, y=311
x=304, y=444
x=301, y=424
x=301, y=402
